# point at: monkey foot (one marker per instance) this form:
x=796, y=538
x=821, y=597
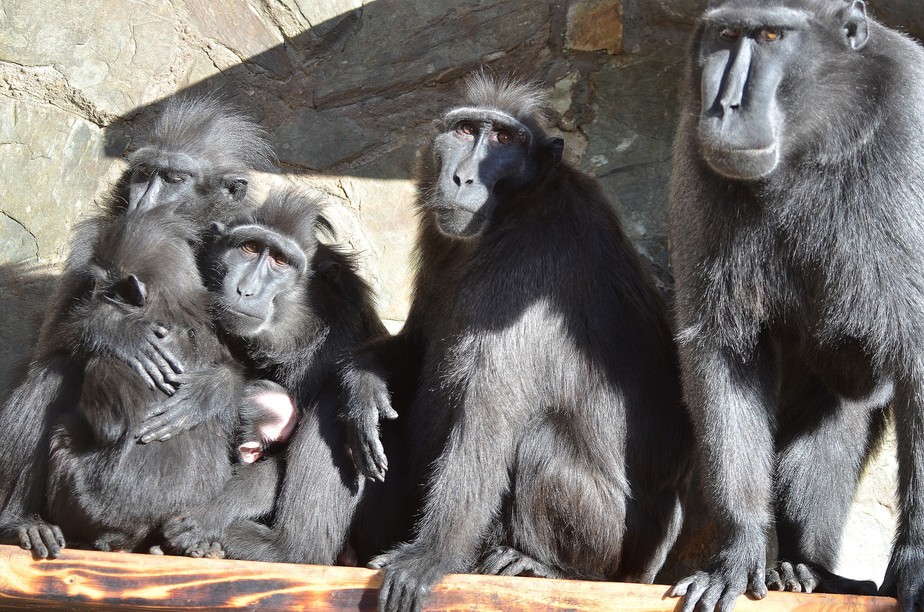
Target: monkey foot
x=808, y=578
x=507, y=561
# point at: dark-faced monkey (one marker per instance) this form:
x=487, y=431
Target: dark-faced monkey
x=105, y=488
x=290, y=307
x=547, y=427
x=796, y=224
x=194, y=161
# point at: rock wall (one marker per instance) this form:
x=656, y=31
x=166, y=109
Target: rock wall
x=347, y=88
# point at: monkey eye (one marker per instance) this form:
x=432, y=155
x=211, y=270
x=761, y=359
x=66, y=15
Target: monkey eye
x=280, y=260
x=176, y=177
x=730, y=34
x=503, y=136
x=466, y=128
x=769, y=34
x=145, y=171
x=250, y=247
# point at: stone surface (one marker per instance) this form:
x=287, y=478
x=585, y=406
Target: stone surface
x=348, y=90
x=51, y=163
x=629, y=149
x=595, y=25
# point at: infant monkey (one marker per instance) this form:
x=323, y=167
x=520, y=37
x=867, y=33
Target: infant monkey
x=267, y=420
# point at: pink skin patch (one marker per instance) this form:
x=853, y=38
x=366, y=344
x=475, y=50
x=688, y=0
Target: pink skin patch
x=250, y=451
x=280, y=406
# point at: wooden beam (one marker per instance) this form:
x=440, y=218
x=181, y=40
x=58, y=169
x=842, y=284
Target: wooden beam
x=89, y=580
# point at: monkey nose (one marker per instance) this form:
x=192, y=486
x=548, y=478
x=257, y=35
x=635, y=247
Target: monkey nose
x=459, y=181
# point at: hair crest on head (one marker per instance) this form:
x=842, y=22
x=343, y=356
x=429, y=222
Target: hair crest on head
x=207, y=127
x=520, y=99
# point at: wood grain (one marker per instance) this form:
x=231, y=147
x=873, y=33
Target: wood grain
x=89, y=580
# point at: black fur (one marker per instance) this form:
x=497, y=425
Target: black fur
x=52, y=383
x=105, y=488
x=547, y=427
x=316, y=309
x=799, y=285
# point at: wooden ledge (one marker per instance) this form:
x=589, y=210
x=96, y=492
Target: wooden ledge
x=89, y=580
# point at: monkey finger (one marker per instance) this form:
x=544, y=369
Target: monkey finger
x=806, y=578
x=381, y=561
x=716, y=592
x=694, y=591
x=170, y=362
x=154, y=373
x=788, y=575
x=680, y=587
x=52, y=538
x=516, y=568
x=757, y=585
x=498, y=561
x=376, y=460
x=774, y=581
x=385, y=410
x=150, y=425
x=58, y=536
x=726, y=603
x=162, y=434
x=154, y=429
x=139, y=369
x=153, y=412
x=170, y=371
x=372, y=471
x=215, y=551
x=25, y=542
x=37, y=546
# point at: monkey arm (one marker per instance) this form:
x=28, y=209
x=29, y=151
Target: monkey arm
x=203, y=394
x=100, y=328
x=904, y=576
x=50, y=389
x=730, y=403
x=466, y=486
x=375, y=377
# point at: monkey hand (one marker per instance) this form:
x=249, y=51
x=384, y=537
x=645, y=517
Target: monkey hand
x=177, y=414
x=368, y=402
x=154, y=362
x=409, y=574
x=719, y=586
x=43, y=539
x=808, y=578
x=904, y=578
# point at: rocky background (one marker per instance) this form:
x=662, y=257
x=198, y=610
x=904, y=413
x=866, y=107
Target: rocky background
x=348, y=88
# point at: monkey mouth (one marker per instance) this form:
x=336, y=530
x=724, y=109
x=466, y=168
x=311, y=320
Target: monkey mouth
x=240, y=313
x=240, y=323
x=744, y=164
x=459, y=222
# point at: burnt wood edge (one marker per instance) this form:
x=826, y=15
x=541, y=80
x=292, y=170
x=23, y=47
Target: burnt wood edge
x=90, y=580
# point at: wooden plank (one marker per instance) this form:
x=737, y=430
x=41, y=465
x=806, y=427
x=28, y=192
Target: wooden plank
x=89, y=580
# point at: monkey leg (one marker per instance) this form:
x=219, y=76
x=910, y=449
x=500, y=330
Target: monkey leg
x=823, y=442
x=568, y=511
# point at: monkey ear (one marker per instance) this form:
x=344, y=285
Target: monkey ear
x=329, y=270
x=552, y=150
x=856, y=25
x=236, y=187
